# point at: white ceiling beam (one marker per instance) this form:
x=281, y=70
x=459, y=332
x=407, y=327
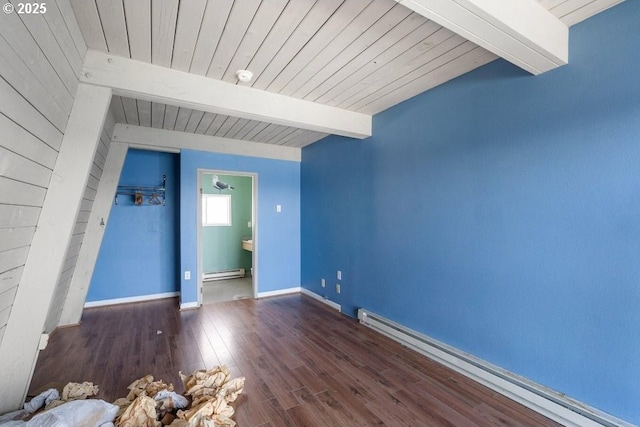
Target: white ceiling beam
x=168, y=140
x=521, y=31
x=163, y=85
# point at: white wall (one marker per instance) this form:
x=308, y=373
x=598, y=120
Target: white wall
x=40, y=58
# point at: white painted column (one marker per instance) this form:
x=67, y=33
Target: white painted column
x=19, y=347
x=77, y=294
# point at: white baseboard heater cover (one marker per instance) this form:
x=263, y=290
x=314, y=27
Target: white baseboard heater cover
x=547, y=402
x=221, y=275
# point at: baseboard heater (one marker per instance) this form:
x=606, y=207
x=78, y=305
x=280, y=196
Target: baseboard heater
x=221, y=275
x=549, y=403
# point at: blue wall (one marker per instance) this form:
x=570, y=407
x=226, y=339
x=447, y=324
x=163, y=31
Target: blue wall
x=139, y=249
x=278, y=239
x=500, y=213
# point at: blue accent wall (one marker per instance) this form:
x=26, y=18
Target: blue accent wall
x=500, y=213
x=278, y=233
x=139, y=251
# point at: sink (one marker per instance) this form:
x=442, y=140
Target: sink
x=247, y=245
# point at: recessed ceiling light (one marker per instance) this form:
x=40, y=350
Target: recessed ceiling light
x=244, y=75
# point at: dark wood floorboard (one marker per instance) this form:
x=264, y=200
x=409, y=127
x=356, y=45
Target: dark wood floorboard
x=304, y=363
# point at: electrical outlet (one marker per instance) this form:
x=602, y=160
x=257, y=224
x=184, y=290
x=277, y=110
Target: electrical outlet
x=187, y=275
x=337, y=288
x=339, y=275
x=322, y=282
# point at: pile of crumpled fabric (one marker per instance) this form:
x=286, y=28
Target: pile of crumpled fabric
x=205, y=403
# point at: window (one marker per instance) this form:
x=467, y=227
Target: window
x=216, y=209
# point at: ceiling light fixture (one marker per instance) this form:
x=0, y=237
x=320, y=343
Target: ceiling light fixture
x=244, y=75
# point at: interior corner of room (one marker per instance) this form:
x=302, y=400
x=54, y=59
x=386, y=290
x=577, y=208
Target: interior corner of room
x=468, y=187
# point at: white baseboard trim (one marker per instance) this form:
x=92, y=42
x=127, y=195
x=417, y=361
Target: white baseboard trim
x=127, y=300
x=322, y=299
x=189, y=305
x=543, y=400
x=278, y=292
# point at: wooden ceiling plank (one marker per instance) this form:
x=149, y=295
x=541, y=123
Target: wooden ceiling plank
x=114, y=27
x=587, y=11
x=226, y=125
x=86, y=13
x=65, y=36
x=293, y=135
x=423, y=52
x=213, y=22
x=117, y=109
x=373, y=64
x=170, y=117
x=157, y=115
x=236, y=128
x=452, y=49
x=305, y=139
x=286, y=24
x=336, y=23
x=47, y=44
x=452, y=69
x=144, y=112
x=159, y=84
x=205, y=122
x=18, y=45
x=275, y=134
x=190, y=15
x=194, y=121
x=309, y=26
x=20, y=111
x=264, y=19
x=21, y=77
x=277, y=139
x=313, y=87
x=138, y=18
x=66, y=11
x=164, y=14
x=372, y=13
x=559, y=10
x=20, y=141
x=259, y=127
x=130, y=111
x=215, y=125
x=257, y=137
x=182, y=119
x=138, y=136
x=246, y=129
x=268, y=132
x=521, y=31
x=240, y=18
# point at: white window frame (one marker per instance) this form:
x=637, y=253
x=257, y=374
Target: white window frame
x=221, y=221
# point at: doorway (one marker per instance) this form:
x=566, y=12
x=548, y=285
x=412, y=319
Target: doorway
x=227, y=224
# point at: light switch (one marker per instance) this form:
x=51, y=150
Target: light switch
x=278, y=208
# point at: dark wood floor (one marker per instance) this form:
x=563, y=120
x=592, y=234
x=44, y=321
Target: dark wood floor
x=304, y=363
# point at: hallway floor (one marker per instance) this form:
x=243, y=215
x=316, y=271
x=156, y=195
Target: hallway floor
x=227, y=290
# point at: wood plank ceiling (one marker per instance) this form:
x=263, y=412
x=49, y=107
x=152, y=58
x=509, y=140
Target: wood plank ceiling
x=359, y=55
